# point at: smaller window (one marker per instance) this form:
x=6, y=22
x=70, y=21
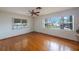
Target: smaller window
x=19, y=23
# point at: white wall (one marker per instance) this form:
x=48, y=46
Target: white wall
x=6, y=25
x=38, y=24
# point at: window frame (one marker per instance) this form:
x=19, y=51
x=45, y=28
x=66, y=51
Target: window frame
x=60, y=28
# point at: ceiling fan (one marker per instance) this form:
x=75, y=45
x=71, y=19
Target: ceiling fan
x=33, y=12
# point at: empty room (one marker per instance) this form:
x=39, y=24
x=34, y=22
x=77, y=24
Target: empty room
x=39, y=29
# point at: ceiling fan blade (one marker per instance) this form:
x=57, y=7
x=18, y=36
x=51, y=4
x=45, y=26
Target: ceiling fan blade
x=37, y=12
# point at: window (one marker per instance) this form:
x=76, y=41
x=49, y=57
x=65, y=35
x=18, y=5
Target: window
x=65, y=23
x=19, y=23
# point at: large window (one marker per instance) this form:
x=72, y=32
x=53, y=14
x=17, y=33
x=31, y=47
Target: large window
x=65, y=22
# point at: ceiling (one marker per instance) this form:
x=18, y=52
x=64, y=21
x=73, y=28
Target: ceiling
x=24, y=10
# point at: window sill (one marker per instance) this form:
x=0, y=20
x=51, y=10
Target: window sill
x=59, y=29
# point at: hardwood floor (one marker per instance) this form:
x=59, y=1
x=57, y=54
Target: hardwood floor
x=37, y=42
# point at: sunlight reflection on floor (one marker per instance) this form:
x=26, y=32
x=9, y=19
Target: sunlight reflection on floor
x=54, y=46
